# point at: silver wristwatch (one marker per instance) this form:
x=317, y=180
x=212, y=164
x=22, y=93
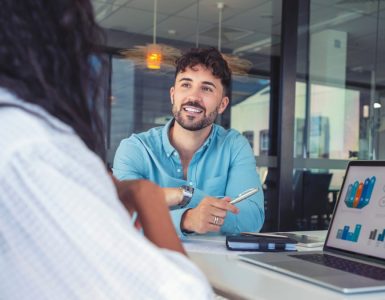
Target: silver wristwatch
x=188, y=192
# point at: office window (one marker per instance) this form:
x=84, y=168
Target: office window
x=122, y=103
x=247, y=32
x=340, y=86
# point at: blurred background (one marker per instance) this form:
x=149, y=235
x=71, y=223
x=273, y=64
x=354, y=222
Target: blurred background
x=307, y=92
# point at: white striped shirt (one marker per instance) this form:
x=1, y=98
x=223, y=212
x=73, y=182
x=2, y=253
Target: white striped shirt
x=63, y=232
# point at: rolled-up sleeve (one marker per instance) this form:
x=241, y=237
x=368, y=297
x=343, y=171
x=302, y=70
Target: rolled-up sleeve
x=129, y=162
x=242, y=176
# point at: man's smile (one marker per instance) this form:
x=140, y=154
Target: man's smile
x=192, y=109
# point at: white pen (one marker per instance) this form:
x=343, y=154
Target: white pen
x=244, y=195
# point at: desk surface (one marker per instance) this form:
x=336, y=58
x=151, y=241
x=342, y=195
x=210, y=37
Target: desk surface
x=236, y=279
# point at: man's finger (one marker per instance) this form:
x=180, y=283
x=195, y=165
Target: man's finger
x=215, y=211
x=224, y=204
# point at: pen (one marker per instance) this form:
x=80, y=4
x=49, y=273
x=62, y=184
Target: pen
x=272, y=235
x=244, y=195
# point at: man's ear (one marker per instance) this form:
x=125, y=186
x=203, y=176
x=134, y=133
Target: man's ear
x=222, y=106
x=172, y=95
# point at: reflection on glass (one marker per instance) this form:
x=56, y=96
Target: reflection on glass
x=122, y=104
x=338, y=108
x=333, y=122
x=250, y=116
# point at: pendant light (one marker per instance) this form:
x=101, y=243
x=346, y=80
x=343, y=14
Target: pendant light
x=154, y=55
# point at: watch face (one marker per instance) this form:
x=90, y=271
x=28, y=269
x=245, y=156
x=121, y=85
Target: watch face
x=187, y=195
x=187, y=190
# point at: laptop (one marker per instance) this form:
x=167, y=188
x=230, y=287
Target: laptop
x=353, y=256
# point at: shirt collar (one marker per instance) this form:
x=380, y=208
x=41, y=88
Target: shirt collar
x=169, y=149
x=9, y=99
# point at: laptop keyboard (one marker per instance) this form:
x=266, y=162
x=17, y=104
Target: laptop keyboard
x=346, y=265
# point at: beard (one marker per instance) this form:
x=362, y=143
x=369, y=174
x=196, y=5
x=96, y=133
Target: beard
x=190, y=122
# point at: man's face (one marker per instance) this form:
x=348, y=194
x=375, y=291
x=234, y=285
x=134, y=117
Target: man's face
x=197, y=98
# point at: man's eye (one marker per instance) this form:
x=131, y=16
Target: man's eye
x=207, y=89
x=185, y=84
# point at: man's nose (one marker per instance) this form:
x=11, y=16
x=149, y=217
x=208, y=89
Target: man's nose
x=195, y=95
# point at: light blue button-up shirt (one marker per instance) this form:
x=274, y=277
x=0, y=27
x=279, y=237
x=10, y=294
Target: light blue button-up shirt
x=223, y=166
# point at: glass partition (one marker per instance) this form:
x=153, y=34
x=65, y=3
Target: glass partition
x=338, y=104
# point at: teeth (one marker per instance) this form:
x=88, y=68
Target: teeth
x=193, y=109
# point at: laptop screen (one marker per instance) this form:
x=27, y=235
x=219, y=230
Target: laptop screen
x=359, y=219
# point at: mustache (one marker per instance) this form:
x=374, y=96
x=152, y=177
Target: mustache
x=194, y=104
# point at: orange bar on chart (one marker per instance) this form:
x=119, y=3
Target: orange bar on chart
x=358, y=194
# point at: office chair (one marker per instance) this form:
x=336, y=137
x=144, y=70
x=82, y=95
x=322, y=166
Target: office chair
x=311, y=199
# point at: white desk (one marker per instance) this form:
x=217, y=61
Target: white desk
x=236, y=279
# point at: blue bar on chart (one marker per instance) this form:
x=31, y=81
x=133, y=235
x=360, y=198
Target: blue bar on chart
x=345, y=234
x=352, y=194
x=347, y=196
x=381, y=236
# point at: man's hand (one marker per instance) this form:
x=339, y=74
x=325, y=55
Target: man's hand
x=208, y=216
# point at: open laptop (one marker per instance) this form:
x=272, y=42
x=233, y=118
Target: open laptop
x=353, y=256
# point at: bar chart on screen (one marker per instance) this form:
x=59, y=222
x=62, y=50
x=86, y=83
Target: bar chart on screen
x=376, y=237
x=351, y=236
x=359, y=193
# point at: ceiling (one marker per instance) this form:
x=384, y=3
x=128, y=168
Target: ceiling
x=178, y=20
x=248, y=26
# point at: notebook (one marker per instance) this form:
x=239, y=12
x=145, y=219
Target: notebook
x=353, y=256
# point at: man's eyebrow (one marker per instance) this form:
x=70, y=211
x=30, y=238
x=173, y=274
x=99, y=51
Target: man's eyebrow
x=203, y=82
x=185, y=78
x=209, y=83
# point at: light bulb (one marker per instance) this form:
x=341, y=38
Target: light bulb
x=154, y=57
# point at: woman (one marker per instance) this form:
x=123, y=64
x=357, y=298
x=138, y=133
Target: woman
x=64, y=234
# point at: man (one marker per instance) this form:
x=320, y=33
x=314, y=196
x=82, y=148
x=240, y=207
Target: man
x=64, y=234
x=196, y=158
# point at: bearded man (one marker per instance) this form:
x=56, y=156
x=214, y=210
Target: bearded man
x=200, y=164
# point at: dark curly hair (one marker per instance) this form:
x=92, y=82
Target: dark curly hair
x=47, y=50
x=212, y=59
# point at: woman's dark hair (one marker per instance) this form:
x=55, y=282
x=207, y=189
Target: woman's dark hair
x=47, y=49
x=212, y=59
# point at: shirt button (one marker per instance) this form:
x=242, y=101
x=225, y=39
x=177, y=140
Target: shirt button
x=191, y=183
x=178, y=170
